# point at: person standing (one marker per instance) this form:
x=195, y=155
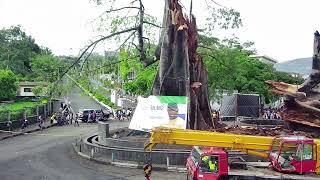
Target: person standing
x=94, y=116
x=9, y=125
x=40, y=122
x=53, y=118
x=76, y=121
x=71, y=116
x=24, y=124
x=89, y=117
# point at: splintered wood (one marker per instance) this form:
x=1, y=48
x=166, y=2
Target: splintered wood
x=302, y=105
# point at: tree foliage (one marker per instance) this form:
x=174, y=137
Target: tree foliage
x=47, y=67
x=9, y=85
x=137, y=79
x=230, y=68
x=16, y=50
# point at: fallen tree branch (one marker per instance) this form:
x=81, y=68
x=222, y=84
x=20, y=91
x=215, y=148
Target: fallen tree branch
x=92, y=44
x=103, y=66
x=119, y=9
x=150, y=23
x=219, y=4
x=135, y=46
x=85, y=60
x=125, y=41
x=149, y=63
x=206, y=47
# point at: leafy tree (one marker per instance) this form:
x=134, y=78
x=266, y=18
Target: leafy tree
x=9, y=85
x=47, y=67
x=143, y=81
x=16, y=50
x=143, y=78
x=285, y=77
x=230, y=68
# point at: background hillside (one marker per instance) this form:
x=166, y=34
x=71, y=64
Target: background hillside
x=301, y=65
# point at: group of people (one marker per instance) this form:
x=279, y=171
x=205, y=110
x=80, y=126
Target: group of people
x=24, y=123
x=65, y=116
x=123, y=114
x=92, y=116
x=271, y=113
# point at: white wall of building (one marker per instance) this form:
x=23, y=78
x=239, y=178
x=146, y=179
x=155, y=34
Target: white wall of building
x=26, y=91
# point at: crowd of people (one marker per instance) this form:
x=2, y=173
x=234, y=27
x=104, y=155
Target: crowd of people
x=65, y=115
x=271, y=113
x=123, y=114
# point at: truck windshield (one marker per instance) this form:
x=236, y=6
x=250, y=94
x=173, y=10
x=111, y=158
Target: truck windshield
x=209, y=164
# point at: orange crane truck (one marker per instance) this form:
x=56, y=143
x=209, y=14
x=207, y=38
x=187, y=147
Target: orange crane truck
x=287, y=154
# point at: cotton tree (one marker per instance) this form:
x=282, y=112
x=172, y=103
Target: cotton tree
x=181, y=71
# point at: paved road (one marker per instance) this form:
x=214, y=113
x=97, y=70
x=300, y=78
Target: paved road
x=48, y=155
x=79, y=100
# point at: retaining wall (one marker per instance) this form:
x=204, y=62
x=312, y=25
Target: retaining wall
x=169, y=157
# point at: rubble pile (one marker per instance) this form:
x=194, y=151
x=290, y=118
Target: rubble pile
x=276, y=131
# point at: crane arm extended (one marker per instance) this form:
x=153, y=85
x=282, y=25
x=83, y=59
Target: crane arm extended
x=255, y=145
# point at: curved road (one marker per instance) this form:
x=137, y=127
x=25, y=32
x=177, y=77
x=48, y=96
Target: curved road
x=48, y=155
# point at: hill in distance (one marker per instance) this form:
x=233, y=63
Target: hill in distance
x=301, y=66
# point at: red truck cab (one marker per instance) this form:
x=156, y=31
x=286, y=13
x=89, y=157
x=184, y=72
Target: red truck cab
x=296, y=154
x=207, y=163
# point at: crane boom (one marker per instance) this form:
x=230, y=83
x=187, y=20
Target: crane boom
x=255, y=145
x=260, y=146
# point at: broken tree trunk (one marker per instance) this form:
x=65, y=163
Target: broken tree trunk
x=181, y=71
x=302, y=103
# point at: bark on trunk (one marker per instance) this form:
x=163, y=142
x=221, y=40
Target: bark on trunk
x=181, y=71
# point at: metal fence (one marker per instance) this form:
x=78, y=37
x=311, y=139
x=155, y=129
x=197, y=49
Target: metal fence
x=166, y=157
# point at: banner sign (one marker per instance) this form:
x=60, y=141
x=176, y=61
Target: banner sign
x=155, y=111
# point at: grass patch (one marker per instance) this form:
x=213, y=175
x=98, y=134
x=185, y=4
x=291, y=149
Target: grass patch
x=17, y=109
x=18, y=105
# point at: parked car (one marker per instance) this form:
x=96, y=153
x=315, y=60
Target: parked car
x=83, y=114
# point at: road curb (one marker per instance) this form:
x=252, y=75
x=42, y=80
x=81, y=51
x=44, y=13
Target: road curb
x=127, y=165
x=25, y=132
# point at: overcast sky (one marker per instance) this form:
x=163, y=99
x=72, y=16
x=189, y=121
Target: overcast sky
x=280, y=29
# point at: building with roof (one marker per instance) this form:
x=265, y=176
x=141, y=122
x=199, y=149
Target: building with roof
x=25, y=88
x=265, y=59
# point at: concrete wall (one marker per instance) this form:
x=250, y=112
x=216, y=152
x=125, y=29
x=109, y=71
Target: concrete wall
x=168, y=157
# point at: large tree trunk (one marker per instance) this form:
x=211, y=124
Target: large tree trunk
x=181, y=71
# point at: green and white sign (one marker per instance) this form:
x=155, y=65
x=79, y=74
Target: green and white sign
x=156, y=111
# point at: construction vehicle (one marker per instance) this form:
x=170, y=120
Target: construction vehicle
x=292, y=154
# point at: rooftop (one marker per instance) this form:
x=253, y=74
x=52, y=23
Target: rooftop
x=265, y=57
x=31, y=83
